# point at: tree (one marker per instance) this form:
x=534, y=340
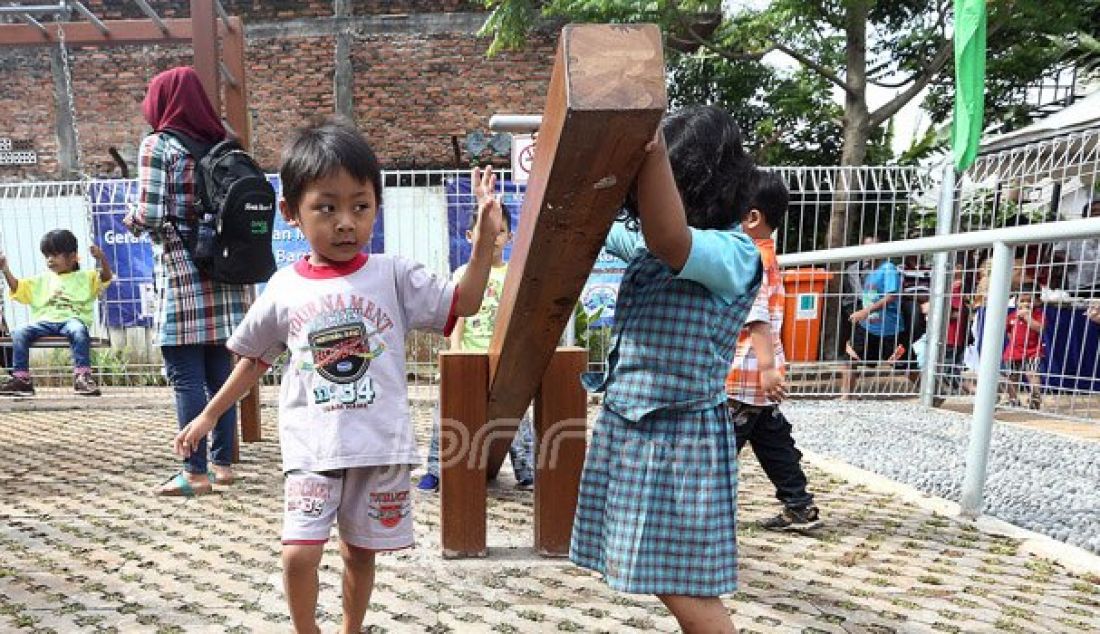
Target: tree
x=787, y=120
x=846, y=44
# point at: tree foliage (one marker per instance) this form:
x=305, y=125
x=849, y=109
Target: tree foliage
x=839, y=45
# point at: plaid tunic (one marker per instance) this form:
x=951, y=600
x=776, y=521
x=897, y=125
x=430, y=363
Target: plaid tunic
x=656, y=513
x=189, y=309
x=743, y=382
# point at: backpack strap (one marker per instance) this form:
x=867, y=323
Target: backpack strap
x=197, y=150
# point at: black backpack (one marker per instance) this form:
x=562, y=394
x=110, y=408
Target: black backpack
x=231, y=239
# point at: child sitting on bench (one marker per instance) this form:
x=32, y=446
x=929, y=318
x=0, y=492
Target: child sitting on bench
x=61, y=302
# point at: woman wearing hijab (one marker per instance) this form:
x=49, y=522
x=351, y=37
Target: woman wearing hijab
x=194, y=316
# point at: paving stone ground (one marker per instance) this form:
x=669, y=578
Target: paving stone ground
x=85, y=547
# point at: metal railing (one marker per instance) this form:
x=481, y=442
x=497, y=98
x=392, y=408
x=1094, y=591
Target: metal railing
x=1035, y=183
x=996, y=308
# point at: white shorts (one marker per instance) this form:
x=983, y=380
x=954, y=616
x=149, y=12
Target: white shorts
x=372, y=506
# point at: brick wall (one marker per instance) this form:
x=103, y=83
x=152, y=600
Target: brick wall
x=289, y=82
x=447, y=80
x=27, y=110
x=412, y=92
x=108, y=86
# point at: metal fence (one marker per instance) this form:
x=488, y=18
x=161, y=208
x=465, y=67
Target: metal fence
x=993, y=327
x=424, y=213
x=1051, y=368
x=424, y=218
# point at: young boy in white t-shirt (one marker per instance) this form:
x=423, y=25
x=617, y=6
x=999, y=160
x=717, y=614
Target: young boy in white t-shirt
x=344, y=427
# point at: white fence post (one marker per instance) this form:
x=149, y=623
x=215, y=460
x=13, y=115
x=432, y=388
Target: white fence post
x=989, y=375
x=941, y=270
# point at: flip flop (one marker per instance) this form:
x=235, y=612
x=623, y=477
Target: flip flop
x=179, y=486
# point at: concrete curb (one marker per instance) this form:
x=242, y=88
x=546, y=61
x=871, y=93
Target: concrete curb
x=1076, y=560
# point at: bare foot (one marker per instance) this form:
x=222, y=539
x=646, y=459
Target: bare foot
x=223, y=475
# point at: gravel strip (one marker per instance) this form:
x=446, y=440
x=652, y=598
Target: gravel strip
x=1040, y=481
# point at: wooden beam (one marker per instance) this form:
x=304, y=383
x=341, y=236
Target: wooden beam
x=604, y=103
x=120, y=33
x=249, y=416
x=561, y=423
x=205, y=49
x=236, y=93
x=463, y=391
x=236, y=115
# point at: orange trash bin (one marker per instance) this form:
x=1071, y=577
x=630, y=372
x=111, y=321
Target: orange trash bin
x=802, y=311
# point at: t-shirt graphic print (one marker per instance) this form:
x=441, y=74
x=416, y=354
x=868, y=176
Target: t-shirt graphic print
x=343, y=400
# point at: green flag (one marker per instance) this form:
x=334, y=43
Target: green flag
x=966, y=126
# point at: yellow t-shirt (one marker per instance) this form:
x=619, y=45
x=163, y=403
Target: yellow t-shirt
x=477, y=329
x=58, y=298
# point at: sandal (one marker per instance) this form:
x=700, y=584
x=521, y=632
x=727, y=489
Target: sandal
x=179, y=486
x=222, y=475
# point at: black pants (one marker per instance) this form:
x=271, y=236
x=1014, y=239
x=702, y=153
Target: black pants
x=769, y=432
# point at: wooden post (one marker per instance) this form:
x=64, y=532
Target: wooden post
x=236, y=93
x=249, y=415
x=205, y=48
x=561, y=421
x=604, y=103
x=236, y=113
x=463, y=393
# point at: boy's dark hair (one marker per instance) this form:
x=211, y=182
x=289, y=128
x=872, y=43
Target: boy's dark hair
x=59, y=242
x=472, y=220
x=322, y=148
x=770, y=197
x=713, y=173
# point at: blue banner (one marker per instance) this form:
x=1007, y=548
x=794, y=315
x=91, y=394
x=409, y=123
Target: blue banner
x=461, y=206
x=130, y=257
x=601, y=291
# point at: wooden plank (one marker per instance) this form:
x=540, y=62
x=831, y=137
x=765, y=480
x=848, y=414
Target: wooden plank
x=249, y=415
x=204, y=31
x=236, y=114
x=604, y=103
x=53, y=341
x=236, y=96
x=122, y=33
x=463, y=391
x=561, y=415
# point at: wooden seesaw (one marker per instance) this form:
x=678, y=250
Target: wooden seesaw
x=604, y=103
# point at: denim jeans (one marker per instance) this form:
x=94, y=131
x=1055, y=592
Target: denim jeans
x=197, y=372
x=73, y=329
x=770, y=434
x=521, y=452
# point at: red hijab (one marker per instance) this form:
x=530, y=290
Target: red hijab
x=176, y=100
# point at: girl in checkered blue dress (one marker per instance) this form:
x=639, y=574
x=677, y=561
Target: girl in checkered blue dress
x=657, y=507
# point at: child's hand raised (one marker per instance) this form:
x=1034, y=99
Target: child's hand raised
x=3, y=260
x=490, y=218
x=97, y=253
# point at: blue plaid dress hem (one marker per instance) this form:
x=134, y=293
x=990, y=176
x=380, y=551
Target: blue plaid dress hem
x=657, y=509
